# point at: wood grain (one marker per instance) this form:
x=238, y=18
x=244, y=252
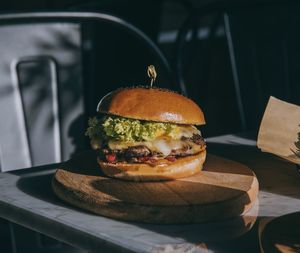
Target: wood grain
x=222, y=190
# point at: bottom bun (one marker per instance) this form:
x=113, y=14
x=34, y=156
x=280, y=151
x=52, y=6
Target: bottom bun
x=182, y=167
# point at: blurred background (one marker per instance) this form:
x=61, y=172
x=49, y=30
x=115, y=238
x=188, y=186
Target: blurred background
x=209, y=83
x=228, y=56
x=205, y=58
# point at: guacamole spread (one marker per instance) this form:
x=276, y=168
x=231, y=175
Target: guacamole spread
x=129, y=130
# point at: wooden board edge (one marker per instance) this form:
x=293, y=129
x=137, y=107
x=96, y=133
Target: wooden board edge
x=158, y=214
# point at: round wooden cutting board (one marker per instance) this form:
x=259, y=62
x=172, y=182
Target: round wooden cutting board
x=222, y=190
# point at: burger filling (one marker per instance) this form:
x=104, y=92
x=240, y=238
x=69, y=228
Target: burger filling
x=118, y=139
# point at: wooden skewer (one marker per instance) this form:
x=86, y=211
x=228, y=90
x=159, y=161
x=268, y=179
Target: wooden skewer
x=152, y=74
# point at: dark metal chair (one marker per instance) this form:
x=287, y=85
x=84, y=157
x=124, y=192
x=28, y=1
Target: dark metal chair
x=53, y=71
x=263, y=41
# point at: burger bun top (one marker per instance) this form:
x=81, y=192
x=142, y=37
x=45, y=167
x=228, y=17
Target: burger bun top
x=151, y=104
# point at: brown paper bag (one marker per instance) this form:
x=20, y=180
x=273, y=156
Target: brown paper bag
x=279, y=131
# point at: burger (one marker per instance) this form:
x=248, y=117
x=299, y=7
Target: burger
x=147, y=134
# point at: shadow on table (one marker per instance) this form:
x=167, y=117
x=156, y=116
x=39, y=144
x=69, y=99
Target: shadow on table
x=274, y=174
x=212, y=231
x=38, y=186
x=37, y=181
x=232, y=235
x=239, y=234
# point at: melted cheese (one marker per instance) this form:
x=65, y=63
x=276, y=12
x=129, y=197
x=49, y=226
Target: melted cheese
x=188, y=131
x=159, y=145
x=163, y=145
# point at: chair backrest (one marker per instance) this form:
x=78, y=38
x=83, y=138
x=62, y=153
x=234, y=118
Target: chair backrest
x=47, y=84
x=264, y=44
x=263, y=47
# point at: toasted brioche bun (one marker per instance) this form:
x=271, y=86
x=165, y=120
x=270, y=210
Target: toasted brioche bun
x=152, y=104
x=182, y=167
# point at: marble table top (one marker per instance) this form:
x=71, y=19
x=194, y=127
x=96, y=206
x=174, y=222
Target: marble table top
x=26, y=198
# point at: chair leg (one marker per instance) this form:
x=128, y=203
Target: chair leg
x=46, y=243
x=5, y=237
x=24, y=240
x=12, y=238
